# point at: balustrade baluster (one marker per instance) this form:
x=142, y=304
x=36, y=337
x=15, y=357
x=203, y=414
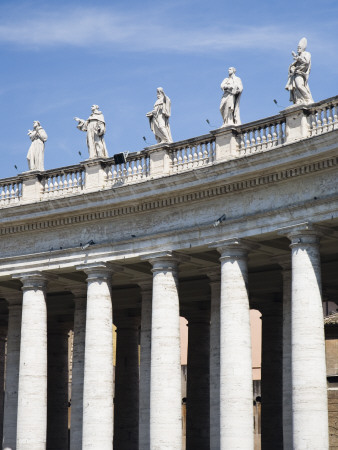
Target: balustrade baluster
x=335, y=117
x=200, y=154
x=114, y=173
x=319, y=122
x=269, y=127
x=264, y=145
x=330, y=117
x=252, y=140
x=274, y=134
x=206, y=153
x=258, y=139
x=324, y=119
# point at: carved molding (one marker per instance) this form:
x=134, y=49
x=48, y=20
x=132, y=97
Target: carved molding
x=236, y=186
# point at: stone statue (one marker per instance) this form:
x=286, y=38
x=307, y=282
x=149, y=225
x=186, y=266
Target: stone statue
x=95, y=127
x=232, y=88
x=35, y=155
x=299, y=72
x=159, y=118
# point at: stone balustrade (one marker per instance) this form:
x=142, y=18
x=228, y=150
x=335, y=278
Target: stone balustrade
x=261, y=135
x=135, y=169
x=10, y=191
x=65, y=181
x=187, y=155
x=323, y=117
x=293, y=124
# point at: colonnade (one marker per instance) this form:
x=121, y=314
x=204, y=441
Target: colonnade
x=148, y=395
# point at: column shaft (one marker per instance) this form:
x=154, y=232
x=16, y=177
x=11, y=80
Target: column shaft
x=198, y=377
x=126, y=407
x=272, y=372
x=215, y=365
x=32, y=397
x=145, y=358
x=235, y=356
x=98, y=371
x=309, y=394
x=57, y=391
x=78, y=372
x=287, y=378
x=165, y=398
x=12, y=375
x=3, y=333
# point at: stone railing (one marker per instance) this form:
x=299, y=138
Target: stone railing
x=232, y=142
x=135, y=169
x=323, y=117
x=187, y=155
x=64, y=181
x=10, y=191
x=261, y=135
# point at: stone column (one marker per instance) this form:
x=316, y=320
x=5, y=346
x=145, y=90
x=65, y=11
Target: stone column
x=32, y=396
x=215, y=285
x=287, y=378
x=57, y=385
x=236, y=394
x=3, y=335
x=272, y=373
x=80, y=301
x=126, y=405
x=12, y=370
x=198, y=377
x=98, y=368
x=165, y=397
x=309, y=394
x=145, y=358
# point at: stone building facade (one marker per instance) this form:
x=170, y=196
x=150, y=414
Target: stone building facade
x=207, y=228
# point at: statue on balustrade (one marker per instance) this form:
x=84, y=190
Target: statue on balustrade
x=232, y=88
x=299, y=72
x=95, y=127
x=159, y=118
x=35, y=155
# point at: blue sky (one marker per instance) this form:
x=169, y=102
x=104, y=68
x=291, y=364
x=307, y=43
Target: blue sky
x=58, y=58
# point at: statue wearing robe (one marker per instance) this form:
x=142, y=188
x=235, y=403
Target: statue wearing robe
x=232, y=89
x=159, y=118
x=35, y=155
x=95, y=127
x=299, y=72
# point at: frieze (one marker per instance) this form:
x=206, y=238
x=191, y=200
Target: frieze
x=235, y=186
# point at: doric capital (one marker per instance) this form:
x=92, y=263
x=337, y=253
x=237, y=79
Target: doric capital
x=34, y=280
x=146, y=286
x=301, y=234
x=235, y=248
x=167, y=261
x=214, y=275
x=98, y=271
x=282, y=260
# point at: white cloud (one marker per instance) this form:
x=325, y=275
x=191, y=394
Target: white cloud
x=141, y=32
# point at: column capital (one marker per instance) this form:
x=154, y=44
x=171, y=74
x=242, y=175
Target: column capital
x=146, y=285
x=236, y=248
x=166, y=260
x=98, y=270
x=214, y=275
x=34, y=280
x=79, y=292
x=282, y=260
x=303, y=233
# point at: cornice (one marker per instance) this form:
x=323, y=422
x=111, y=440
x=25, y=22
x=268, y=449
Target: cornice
x=239, y=185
